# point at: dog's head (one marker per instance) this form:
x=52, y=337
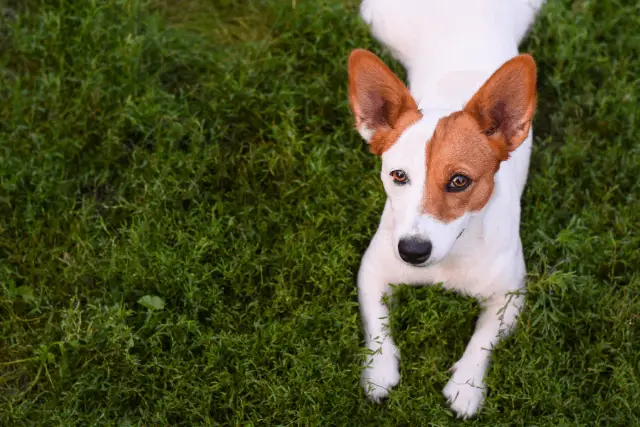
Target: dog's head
x=438, y=170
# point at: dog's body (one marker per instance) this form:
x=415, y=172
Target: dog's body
x=453, y=173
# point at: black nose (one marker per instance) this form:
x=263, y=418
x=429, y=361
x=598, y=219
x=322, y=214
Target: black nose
x=414, y=251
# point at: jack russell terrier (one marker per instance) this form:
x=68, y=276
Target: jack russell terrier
x=455, y=150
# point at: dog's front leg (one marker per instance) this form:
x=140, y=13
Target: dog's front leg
x=465, y=391
x=380, y=372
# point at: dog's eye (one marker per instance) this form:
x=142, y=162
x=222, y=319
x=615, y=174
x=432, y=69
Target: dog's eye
x=399, y=177
x=458, y=183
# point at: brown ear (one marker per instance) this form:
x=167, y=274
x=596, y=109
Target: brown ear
x=378, y=97
x=505, y=104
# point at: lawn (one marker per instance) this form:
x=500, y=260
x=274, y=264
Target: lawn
x=184, y=204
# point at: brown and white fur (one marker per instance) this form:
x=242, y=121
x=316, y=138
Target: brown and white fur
x=455, y=153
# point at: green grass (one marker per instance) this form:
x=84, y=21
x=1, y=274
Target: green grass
x=202, y=152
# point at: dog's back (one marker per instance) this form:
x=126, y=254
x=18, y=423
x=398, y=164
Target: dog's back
x=401, y=23
x=450, y=34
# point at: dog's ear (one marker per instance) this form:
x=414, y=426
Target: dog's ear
x=378, y=97
x=504, y=105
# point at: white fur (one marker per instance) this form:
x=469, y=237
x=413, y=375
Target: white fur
x=449, y=48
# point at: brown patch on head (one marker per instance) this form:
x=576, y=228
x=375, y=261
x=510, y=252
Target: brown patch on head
x=458, y=146
x=474, y=141
x=382, y=105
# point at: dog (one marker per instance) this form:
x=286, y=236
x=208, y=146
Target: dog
x=455, y=147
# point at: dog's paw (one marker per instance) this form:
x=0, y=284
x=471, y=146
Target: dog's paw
x=380, y=374
x=465, y=392
x=464, y=399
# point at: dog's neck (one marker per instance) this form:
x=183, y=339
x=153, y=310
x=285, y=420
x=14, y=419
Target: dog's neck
x=448, y=91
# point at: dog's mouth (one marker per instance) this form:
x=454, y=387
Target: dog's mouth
x=460, y=233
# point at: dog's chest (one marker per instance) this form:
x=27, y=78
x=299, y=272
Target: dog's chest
x=473, y=272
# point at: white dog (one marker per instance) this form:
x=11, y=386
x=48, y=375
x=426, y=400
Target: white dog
x=455, y=151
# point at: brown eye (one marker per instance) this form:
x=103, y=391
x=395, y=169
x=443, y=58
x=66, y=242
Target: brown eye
x=458, y=183
x=399, y=177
